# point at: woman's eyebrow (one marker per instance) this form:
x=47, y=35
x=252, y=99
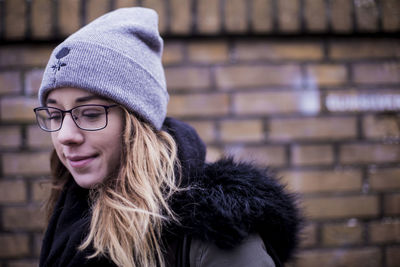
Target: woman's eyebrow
x=51, y=101
x=78, y=100
x=87, y=98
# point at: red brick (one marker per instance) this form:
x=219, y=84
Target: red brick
x=125, y=3
x=261, y=11
x=341, y=207
x=173, y=52
x=160, y=7
x=282, y=102
x=358, y=257
x=27, y=218
x=391, y=204
x=369, y=153
x=242, y=131
x=203, y=105
x=26, y=164
x=69, y=16
x=14, y=245
x=42, y=19
x=260, y=155
x=341, y=234
x=10, y=137
x=309, y=236
x=208, y=52
x=12, y=192
x=181, y=17
x=377, y=73
x=205, y=129
x=33, y=79
x=278, y=50
x=235, y=16
x=385, y=231
x=18, y=109
x=15, y=19
x=390, y=15
x=393, y=256
x=10, y=82
x=24, y=56
x=364, y=49
x=312, y=155
x=323, y=181
x=259, y=75
x=188, y=78
x=315, y=15
x=366, y=13
x=327, y=74
x=381, y=127
x=96, y=8
x=37, y=138
x=288, y=15
x=327, y=128
x=341, y=15
x=208, y=18
x=40, y=190
x=385, y=179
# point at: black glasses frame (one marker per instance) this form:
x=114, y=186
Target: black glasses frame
x=63, y=112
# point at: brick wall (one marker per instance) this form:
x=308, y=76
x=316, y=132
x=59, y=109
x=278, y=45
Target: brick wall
x=311, y=88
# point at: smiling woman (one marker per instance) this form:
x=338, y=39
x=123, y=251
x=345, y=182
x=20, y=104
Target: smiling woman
x=84, y=153
x=130, y=186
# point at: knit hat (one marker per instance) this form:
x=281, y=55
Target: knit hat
x=117, y=56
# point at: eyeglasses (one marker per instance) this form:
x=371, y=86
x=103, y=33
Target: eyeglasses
x=86, y=117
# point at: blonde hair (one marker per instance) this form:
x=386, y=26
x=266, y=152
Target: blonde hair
x=129, y=210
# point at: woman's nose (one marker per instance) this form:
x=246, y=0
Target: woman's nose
x=69, y=134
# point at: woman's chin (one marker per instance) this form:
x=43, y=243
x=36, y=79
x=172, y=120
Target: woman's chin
x=86, y=181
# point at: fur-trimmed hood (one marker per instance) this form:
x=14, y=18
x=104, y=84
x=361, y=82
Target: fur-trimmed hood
x=226, y=201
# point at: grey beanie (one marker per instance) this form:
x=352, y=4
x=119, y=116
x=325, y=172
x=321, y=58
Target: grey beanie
x=117, y=56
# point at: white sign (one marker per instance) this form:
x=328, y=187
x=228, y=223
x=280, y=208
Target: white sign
x=363, y=102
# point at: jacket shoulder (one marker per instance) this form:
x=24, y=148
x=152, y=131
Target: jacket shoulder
x=250, y=252
x=230, y=201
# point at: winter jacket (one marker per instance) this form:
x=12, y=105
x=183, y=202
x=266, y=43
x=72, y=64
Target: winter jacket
x=231, y=213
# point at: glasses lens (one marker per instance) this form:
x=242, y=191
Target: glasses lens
x=90, y=117
x=49, y=119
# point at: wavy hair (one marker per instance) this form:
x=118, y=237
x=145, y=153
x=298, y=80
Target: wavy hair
x=129, y=210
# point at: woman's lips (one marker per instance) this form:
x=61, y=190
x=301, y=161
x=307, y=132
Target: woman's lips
x=80, y=161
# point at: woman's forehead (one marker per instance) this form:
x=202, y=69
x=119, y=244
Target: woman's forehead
x=71, y=94
x=68, y=91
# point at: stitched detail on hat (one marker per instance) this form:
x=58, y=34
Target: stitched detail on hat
x=62, y=53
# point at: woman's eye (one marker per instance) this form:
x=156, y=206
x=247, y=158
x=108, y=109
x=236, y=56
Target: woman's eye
x=55, y=116
x=92, y=114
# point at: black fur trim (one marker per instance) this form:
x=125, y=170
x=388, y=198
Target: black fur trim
x=231, y=200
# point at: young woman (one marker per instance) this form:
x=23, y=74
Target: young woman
x=130, y=186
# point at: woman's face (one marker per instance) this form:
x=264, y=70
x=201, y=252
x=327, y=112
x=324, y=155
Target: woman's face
x=90, y=156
